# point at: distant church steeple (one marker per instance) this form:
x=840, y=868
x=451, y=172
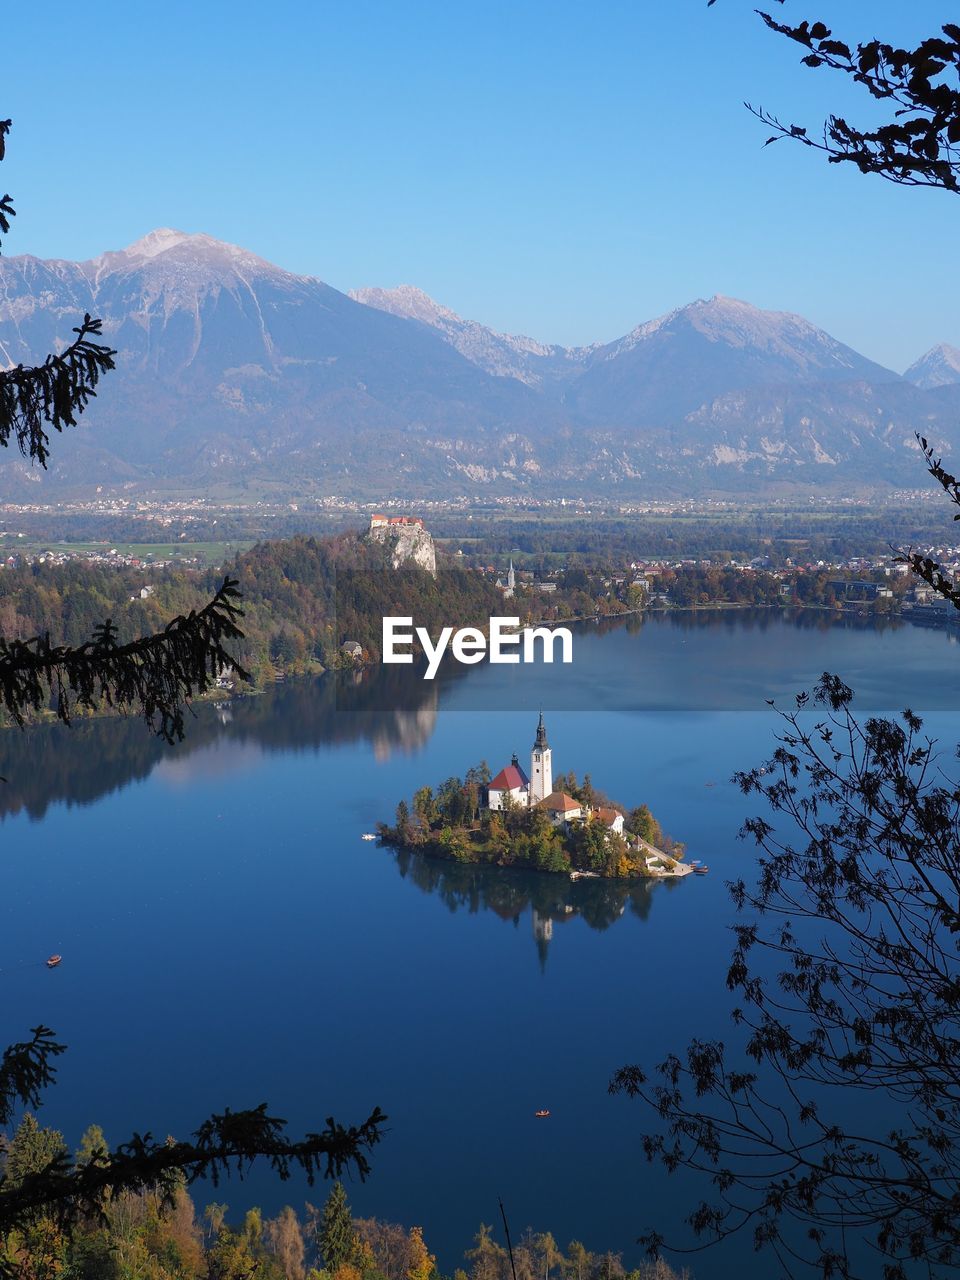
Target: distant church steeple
x=541, y=765
x=511, y=576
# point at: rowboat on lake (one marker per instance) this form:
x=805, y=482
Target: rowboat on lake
x=54, y=961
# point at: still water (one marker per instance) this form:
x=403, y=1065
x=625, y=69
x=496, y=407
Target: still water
x=229, y=939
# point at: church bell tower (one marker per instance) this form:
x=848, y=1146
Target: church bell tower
x=541, y=766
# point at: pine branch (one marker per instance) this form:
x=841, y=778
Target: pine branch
x=7, y=210
x=68, y=1191
x=25, y=1069
x=157, y=674
x=54, y=393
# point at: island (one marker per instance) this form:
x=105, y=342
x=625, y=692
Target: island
x=515, y=819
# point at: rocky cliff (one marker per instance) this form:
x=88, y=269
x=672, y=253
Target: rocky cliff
x=411, y=546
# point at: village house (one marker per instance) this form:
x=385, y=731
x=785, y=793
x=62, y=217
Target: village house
x=561, y=807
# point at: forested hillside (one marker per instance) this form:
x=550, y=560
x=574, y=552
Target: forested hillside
x=301, y=598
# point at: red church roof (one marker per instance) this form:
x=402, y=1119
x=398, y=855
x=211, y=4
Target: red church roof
x=509, y=779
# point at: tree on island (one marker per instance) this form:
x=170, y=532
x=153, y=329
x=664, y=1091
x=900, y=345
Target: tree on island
x=452, y=823
x=833, y=1135
x=154, y=676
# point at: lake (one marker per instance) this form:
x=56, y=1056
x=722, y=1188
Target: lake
x=229, y=939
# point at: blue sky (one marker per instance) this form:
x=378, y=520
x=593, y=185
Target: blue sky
x=560, y=169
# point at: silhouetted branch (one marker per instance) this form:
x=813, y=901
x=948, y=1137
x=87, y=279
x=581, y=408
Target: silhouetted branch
x=52, y=394
x=924, y=566
x=67, y=1190
x=25, y=1069
x=920, y=145
x=858, y=924
x=156, y=674
x=7, y=210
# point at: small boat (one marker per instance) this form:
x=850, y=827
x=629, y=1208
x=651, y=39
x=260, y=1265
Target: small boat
x=701, y=870
x=368, y=835
x=54, y=961
x=541, y=1115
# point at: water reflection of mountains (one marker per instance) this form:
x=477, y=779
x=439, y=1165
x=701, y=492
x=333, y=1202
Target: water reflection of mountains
x=552, y=900
x=391, y=708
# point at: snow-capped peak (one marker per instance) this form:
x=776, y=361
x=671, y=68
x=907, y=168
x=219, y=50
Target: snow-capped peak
x=158, y=241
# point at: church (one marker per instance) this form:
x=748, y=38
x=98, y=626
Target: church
x=513, y=787
x=513, y=782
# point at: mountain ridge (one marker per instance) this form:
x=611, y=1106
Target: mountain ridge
x=234, y=371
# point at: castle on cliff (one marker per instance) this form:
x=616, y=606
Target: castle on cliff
x=410, y=544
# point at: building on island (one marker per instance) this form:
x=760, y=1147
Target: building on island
x=561, y=807
x=541, y=765
x=512, y=788
x=612, y=819
x=511, y=785
x=513, y=782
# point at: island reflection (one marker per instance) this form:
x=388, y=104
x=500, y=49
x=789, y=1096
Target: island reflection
x=551, y=900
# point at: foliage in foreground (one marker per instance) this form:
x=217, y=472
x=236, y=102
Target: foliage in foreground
x=149, y=1236
x=42, y=1183
x=832, y=1131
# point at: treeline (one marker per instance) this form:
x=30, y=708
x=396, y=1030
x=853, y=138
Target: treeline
x=711, y=584
x=795, y=531
x=145, y=1236
x=694, y=585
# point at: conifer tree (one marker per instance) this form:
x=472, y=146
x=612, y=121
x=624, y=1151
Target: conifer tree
x=336, y=1239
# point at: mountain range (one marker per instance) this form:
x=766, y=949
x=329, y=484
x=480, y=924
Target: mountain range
x=235, y=375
